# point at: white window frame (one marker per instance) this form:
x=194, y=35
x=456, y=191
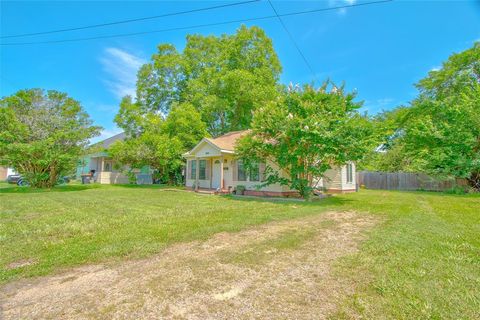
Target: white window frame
x=349, y=173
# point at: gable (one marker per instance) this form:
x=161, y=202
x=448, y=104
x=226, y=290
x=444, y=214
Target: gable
x=205, y=149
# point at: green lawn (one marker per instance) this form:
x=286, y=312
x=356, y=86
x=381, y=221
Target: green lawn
x=421, y=261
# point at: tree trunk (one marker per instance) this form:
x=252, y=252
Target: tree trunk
x=474, y=180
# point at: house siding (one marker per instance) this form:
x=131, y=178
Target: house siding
x=229, y=178
x=3, y=173
x=335, y=179
x=112, y=178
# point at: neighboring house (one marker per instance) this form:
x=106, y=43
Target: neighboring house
x=5, y=172
x=106, y=172
x=212, y=164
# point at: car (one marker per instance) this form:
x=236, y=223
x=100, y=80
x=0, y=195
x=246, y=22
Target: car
x=13, y=178
x=20, y=181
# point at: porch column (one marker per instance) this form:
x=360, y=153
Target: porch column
x=211, y=170
x=100, y=170
x=221, y=173
x=197, y=175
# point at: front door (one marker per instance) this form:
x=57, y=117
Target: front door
x=216, y=174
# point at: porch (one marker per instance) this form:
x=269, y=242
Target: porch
x=211, y=174
x=103, y=170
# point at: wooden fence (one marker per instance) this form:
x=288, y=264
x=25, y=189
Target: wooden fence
x=405, y=181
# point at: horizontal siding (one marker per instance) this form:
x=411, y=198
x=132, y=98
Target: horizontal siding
x=112, y=178
x=333, y=179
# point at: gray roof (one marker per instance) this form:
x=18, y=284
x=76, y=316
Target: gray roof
x=108, y=142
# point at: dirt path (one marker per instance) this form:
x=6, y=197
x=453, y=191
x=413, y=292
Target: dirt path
x=280, y=270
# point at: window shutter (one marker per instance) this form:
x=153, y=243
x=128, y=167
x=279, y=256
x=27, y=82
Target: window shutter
x=189, y=169
x=261, y=170
x=234, y=170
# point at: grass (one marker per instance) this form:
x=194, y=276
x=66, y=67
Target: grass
x=259, y=253
x=422, y=261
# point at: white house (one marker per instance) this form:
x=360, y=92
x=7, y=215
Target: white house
x=212, y=165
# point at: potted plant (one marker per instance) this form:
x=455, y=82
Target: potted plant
x=240, y=190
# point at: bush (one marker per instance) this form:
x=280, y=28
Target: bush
x=457, y=190
x=240, y=189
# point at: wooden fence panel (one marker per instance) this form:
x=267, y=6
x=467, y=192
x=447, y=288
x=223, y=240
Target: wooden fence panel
x=405, y=181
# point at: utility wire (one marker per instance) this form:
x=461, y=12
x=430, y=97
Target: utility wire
x=309, y=66
x=196, y=26
x=129, y=20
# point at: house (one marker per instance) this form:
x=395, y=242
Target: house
x=5, y=172
x=212, y=165
x=104, y=168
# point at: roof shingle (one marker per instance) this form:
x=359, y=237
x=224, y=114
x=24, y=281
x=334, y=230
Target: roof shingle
x=228, y=140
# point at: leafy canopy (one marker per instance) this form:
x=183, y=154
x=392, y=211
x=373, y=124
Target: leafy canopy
x=224, y=78
x=306, y=132
x=162, y=143
x=439, y=133
x=42, y=134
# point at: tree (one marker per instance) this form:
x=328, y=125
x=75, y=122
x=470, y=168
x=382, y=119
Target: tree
x=439, y=133
x=184, y=122
x=161, y=143
x=224, y=78
x=388, y=153
x=42, y=134
x=306, y=132
x=158, y=151
x=129, y=117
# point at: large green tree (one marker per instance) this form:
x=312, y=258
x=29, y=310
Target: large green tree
x=224, y=78
x=162, y=143
x=42, y=134
x=439, y=133
x=306, y=132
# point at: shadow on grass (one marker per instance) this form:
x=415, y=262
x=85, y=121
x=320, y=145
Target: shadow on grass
x=429, y=193
x=148, y=186
x=330, y=201
x=66, y=188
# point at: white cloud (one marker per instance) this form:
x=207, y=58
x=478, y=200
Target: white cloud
x=121, y=67
x=339, y=3
x=437, y=68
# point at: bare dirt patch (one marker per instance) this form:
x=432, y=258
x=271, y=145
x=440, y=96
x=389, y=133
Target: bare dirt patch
x=21, y=264
x=277, y=270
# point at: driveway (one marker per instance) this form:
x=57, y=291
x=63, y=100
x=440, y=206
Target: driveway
x=277, y=270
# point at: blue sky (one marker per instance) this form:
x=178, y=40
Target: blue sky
x=380, y=50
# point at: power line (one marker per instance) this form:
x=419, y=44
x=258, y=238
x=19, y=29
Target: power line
x=137, y=33
x=128, y=20
x=293, y=40
x=196, y=26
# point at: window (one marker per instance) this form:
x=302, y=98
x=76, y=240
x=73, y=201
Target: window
x=349, y=173
x=193, y=169
x=107, y=166
x=202, y=166
x=254, y=172
x=241, y=171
